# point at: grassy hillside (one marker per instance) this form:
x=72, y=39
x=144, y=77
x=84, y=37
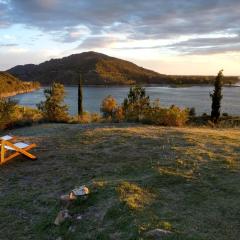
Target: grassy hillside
x=10, y=85
x=141, y=178
x=100, y=69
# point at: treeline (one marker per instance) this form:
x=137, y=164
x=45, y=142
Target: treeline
x=10, y=85
x=192, y=80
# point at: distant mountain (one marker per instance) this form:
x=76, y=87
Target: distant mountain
x=99, y=69
x=10, y=85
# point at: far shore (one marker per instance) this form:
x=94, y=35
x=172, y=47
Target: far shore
x=15, y=93
x=145, y=85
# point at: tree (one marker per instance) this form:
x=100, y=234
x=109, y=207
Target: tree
x=217, y=97
x=53, y=108
x=80, y=96
x=136, y=103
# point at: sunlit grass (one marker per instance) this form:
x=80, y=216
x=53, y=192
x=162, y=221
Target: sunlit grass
x=140, y=177
x=133, y=195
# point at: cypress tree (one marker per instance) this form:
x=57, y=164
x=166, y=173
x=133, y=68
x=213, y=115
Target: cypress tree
x=80, y=96
x=217, y=97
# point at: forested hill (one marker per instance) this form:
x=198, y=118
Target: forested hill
x=100, y=69
x=10, y=85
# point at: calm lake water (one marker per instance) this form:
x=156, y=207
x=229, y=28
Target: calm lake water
x=195, y=96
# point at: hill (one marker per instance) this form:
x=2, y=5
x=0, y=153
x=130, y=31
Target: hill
x=10, y=85
x=140, y=177
x=100, y=69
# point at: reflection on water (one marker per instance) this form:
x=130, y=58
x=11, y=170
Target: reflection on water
x=195, y=96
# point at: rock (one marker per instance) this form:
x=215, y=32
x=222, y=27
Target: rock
x=61, y=217
x=157, y=233
x=59, y=238
x=79, y=191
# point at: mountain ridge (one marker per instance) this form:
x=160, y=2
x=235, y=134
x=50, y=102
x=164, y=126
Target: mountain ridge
x=100, y=69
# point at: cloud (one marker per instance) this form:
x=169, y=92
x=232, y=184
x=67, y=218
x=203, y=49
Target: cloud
x=8, y=44
x=17, y=50
x=200, y=46
x=72, y=21
x=72, y=34
x=97, y=42
x=4, y=18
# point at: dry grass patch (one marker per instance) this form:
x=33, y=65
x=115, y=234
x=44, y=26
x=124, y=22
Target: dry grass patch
x=134, y=196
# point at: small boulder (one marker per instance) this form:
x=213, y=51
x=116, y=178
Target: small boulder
x=79, y=191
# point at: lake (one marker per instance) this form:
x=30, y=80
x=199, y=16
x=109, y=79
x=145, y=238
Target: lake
x=194, y=96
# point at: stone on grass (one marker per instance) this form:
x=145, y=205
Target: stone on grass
x=79, y=191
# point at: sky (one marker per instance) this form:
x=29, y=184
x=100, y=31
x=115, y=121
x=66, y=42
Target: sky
x=197, y=37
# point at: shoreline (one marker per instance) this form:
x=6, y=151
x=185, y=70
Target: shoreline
x=15, y=93
x=144, y=85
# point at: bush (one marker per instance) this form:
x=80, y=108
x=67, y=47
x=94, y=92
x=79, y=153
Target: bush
x=173, y=116
x=225, y=114
x=119, y=114
x=86, y=118
x=53, y=108
x=137, y=108
x=7, y=108
x=12, y=115
x=109, y=106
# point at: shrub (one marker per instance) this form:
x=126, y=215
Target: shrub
x=109, y=106
x=173, y=116
x=225, y=114
x=119, y=114
x=176, y=116
x=53, y=108
x=95, y=117
x=137, y=108
x=12, y=115
x=86, y=118
x=7, y=108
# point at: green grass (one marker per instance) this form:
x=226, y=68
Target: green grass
x=141, y=177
